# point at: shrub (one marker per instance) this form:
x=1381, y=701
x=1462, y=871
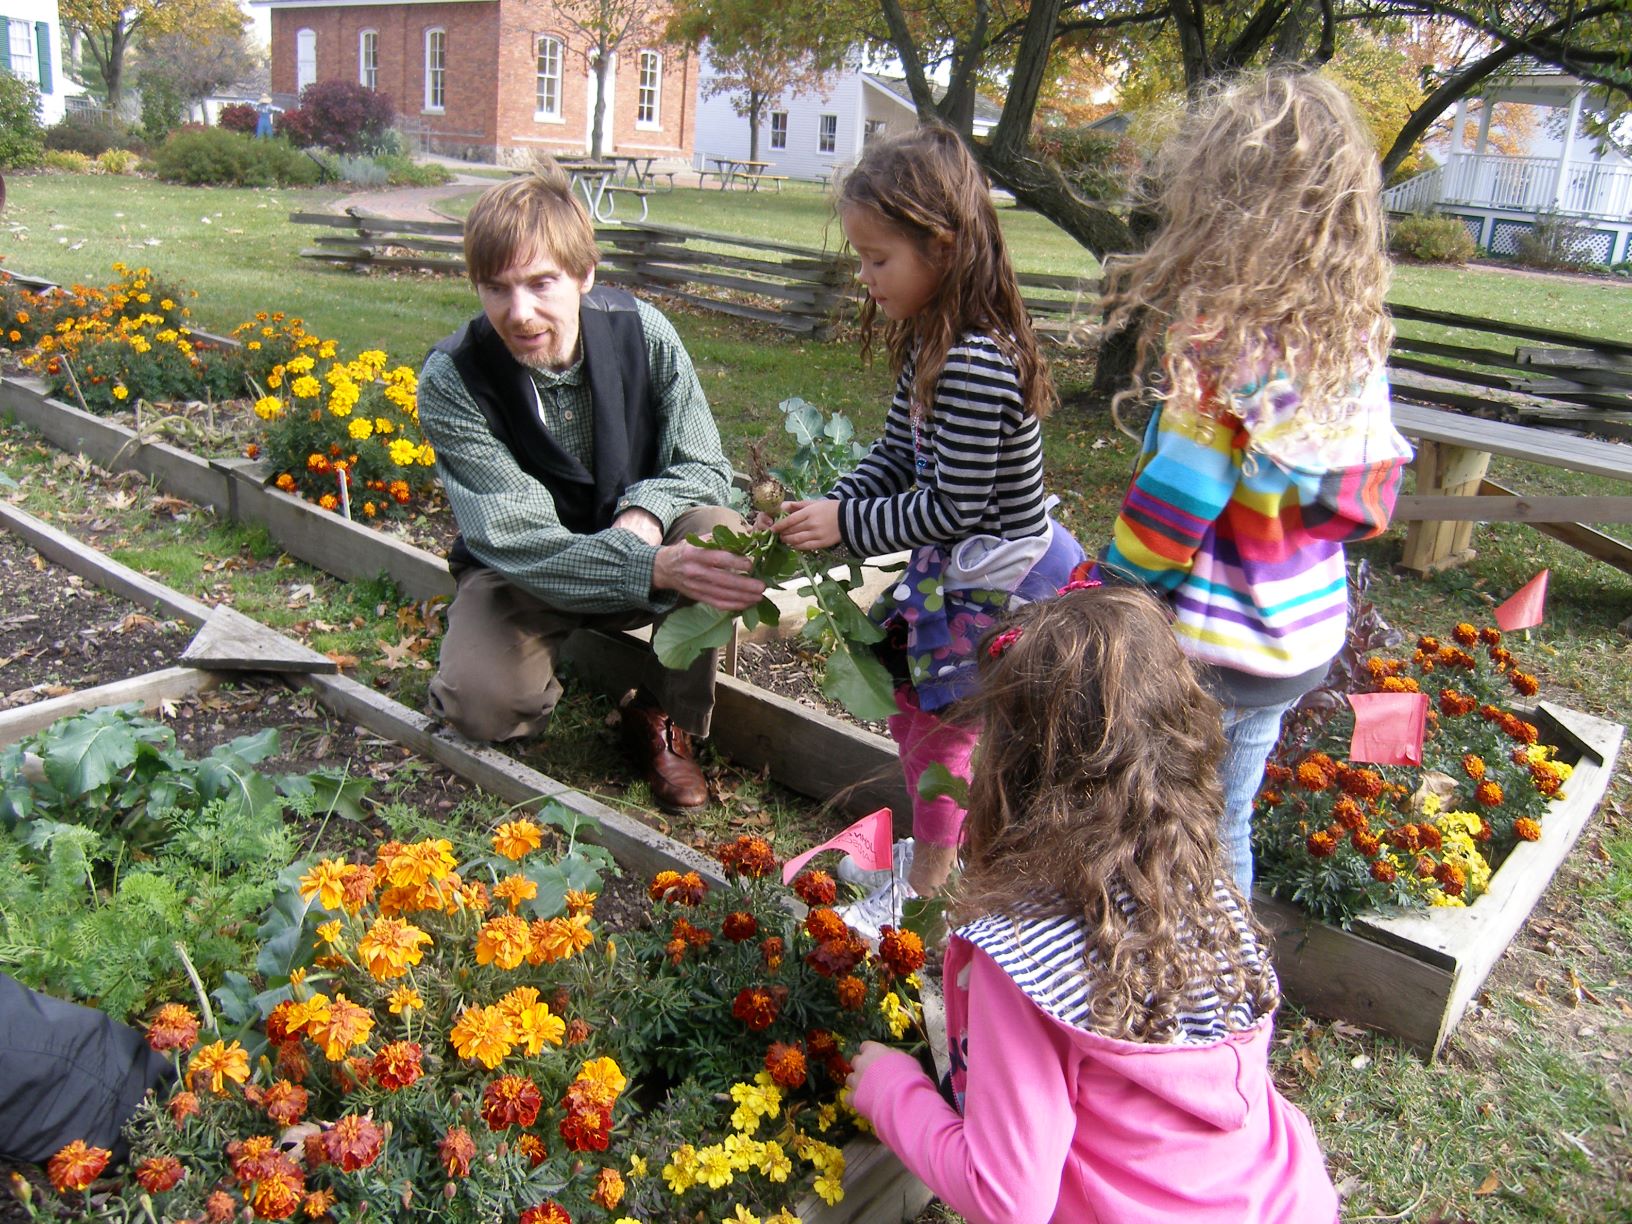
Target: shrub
x=238, y=117
x=1555, y=242
x=162, y=106
x=21, y=137
x=361, y=171
x=406, y=172
x=118, y=161
x=1432, y=239
x=340, y=115
x=215, y=156
x=69, y=162
x=91, y=132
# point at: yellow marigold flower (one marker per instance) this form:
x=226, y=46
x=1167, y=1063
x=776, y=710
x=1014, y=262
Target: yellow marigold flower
x=774, y=1163
x=301, y=363
x=413, y=865
x=269, y=407
x=740, y=1216
x=680, y=1178
x=637, y=1165
x=166, y=304
x=604, y=1078
x=516, y=839
x=327, y=349
x=829, y=1188
x=361, y=429
x=217, y=1063
x=402, y=452
x=329, y=932
x=305, y=387
x=483, y=1034
x=515, y=889
x=326, y=882
x=899, y=1018
x=390, y=947
x=826, y=1116
x=503, y=941
x=383, y=426
x=426, y=456
x=714, y=1167
x=121, y=392
x=580, y=902
x=744, y=1152
x=405, y=998
x=783, y=1216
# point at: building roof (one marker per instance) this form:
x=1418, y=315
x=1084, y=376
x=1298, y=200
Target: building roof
x=986, y=111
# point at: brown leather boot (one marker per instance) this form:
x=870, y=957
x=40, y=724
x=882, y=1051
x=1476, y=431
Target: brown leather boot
x=664, y=753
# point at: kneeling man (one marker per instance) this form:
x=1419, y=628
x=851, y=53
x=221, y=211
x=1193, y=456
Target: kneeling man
x=577, y=453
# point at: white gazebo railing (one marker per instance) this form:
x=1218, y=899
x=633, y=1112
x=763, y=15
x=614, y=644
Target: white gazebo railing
x=1519, y=184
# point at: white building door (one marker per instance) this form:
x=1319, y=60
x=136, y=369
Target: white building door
x=305, y=58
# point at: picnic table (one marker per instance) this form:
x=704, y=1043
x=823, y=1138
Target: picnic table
x=730, y=169
x=594, y=179
x=635, y=171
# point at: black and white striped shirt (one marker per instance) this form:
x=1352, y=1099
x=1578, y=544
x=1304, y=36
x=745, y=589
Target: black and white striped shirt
x=975, y=466
x=1044, y=955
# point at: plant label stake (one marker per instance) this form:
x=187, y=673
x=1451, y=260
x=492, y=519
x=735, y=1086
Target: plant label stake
x=345, y=492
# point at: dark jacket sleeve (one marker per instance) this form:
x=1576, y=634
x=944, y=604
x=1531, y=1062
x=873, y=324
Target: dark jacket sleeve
x=67, y=1072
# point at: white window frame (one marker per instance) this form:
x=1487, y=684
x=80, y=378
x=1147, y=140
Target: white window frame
x=305, y=58
x=779, y=133
x=546, y=81
x=25, y=64
x=827, y=134
x=368, y=59
x=649, y=93
x=436, y=75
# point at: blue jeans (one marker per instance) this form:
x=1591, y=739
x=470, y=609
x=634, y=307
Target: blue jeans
x=1250, y=733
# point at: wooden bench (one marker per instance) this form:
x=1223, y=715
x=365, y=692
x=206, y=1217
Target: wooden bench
x=1453, y=492
x=754, y=180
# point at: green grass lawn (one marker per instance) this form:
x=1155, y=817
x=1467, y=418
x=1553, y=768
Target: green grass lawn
x=1529, y=1114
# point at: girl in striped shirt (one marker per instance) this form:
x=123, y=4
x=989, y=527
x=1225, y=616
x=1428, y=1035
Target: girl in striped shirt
x=957, y=478
x=1259, y=309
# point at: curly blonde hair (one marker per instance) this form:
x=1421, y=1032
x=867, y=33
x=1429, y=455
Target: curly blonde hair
x=1097, y=777
x=926, y=184
x=1270, y=254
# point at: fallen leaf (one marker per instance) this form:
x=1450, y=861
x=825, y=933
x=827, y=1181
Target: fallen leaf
x=1490, y=1185
x=136, y=620
x=1308, y=1060
x=167, y=708
x=122, y=500
x=175, y=507
x=302, y=594
x=400, y=654
x=342, y=661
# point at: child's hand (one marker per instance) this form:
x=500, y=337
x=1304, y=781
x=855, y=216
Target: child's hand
x=809, y=525
x=869, y=1053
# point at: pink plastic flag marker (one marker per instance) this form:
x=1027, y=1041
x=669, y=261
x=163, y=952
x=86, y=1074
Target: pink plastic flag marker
x=1524, y=607
x=1388, y=727
x=868, y=841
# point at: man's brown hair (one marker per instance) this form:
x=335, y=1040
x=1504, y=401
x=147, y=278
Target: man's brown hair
x=535, y=215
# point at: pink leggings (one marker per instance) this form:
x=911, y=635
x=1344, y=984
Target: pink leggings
x=924, y=740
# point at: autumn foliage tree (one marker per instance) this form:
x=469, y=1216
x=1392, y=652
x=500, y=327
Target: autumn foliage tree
x=607, y=26
x=110, y=29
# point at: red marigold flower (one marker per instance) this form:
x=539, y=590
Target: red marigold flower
x=1523, y=683
x=821, y=1043
x=852, y=992
x=1488, y=794
x=1454, y=704
x=577, y=1031
x=353, y=1143
x=1545, y=779
x=837, y=956
x=76, y=1166
x=1362, y=783
x=532, y=1147
x=1501, y=656
x=838, y=1067
x=278, y=1031
x=1485, y=831
x=1474, y=766
x=397, y=1065
x=278, y=1196
x=675, y=950
x=1366, y=844
x=1425, y=867
x=183, y=1106
x=749, y=856
x=739, y=926
x=1490, y=637
x=157, y=1174
x=1451, y=879
x=786, y=1063
x=756, y=1007
x=824, y=924
x=677, y=889
x=174, y=1027
x=219, y=1207
x=609, y=1188
x=1490, y=713
x=1424, y=659
x=1465, y=633
x=815, y=888
x=693, y=936
x=1407, y=837
x=587, y=1130
x=1322, y=843
x=285, y=1103
x=292, y=1062
x=549, y=1213
x=455, y=1151
x=1526, y=829
x=1312, y=775
x=1430, y=835
x=902, y=951
x=1349, y=813
x=771, y=952
x=1523, y=732
x=254, y=1158
x=511, y=1100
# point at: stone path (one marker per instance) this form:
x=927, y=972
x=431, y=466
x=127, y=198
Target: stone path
x=411, y=203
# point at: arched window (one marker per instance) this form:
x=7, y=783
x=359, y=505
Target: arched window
x=436, y=65
x=548, y=53
x=651, y=90
x=305, y=58
x=368, y=59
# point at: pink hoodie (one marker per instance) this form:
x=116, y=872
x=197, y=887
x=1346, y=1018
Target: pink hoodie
x=1062, y=1124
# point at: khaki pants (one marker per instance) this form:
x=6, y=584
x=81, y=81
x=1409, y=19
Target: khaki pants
x=497, y=678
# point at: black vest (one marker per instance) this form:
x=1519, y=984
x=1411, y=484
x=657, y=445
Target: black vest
x=620, y=384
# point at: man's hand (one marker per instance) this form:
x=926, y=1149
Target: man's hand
x=641, y=523
x=809, y=525
x=707, y=575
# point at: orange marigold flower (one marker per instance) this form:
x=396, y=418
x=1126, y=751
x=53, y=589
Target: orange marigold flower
x=1362, y=783
x=587, y=1130
x=549, y=1213
x=1466, y=634
x=390, y=946
x=786, y=1063
x=739, y=926
x=1474, y=766
x=852, y=992
x=1348, y=813
x=1454, y=704
x=815, y=888
x=278, y=1196
x=76, y=1166
x=901, y=950
x=1313, y=774
x=1488, y=794
x=824, y=924
x=157, y=1174
x=1401, y=684
x=397, y=1065
x=1451, y=879
x=1383, y=871
x=182, y=1106
x=347, y=1024
x=557, y=939
x=456, y=1151
x=1523, y=732
x=1545, y=778
x=599, y=1081
x=218, y=1063
x=1427, y=643
x=318, y=1204
x=1501, y=656
x=511, y=1100
x=577, y=1031
x=1430, y=836
x=353, y=1142
x=285, y=1103
x=1322, y=843
x=771, y=951
x=1490, y=637
x=690, y=935
x=748, y=855
x=837, y=956
x=661, y=883
x=533, y=1024
x=174, y=1027
x=484, y=1034
x=516, y=839
x=579, y=902
x=1366, y=843
x=504, y=941
x=532, y=1147
x=1523, y=683
x=609, y=1188
x=219, y=1207
x=756, y=1007
x=1407, y=837
x=1526, y=829
x=677, y=889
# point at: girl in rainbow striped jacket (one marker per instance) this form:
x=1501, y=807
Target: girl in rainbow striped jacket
x=1271, y=444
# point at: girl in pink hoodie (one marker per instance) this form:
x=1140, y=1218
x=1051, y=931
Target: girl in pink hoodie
x=1109, y=998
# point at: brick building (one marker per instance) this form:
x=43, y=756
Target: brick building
x=489, y=79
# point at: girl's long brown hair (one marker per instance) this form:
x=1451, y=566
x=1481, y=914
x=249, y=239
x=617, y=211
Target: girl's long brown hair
x=1271, y=251
x=926, y=184
x=1098, y=773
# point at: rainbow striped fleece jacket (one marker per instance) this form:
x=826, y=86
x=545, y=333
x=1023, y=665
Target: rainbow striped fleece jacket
x=1239, y=518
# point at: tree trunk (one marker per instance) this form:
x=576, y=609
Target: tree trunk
x=603, y=65
x=756, y=107
x=113, y=71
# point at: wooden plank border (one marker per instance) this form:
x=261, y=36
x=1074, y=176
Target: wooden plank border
x=148, y=691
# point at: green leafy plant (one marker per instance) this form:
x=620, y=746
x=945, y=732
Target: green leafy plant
x=826, y=449
x=1431, y=239
x=22, y=139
